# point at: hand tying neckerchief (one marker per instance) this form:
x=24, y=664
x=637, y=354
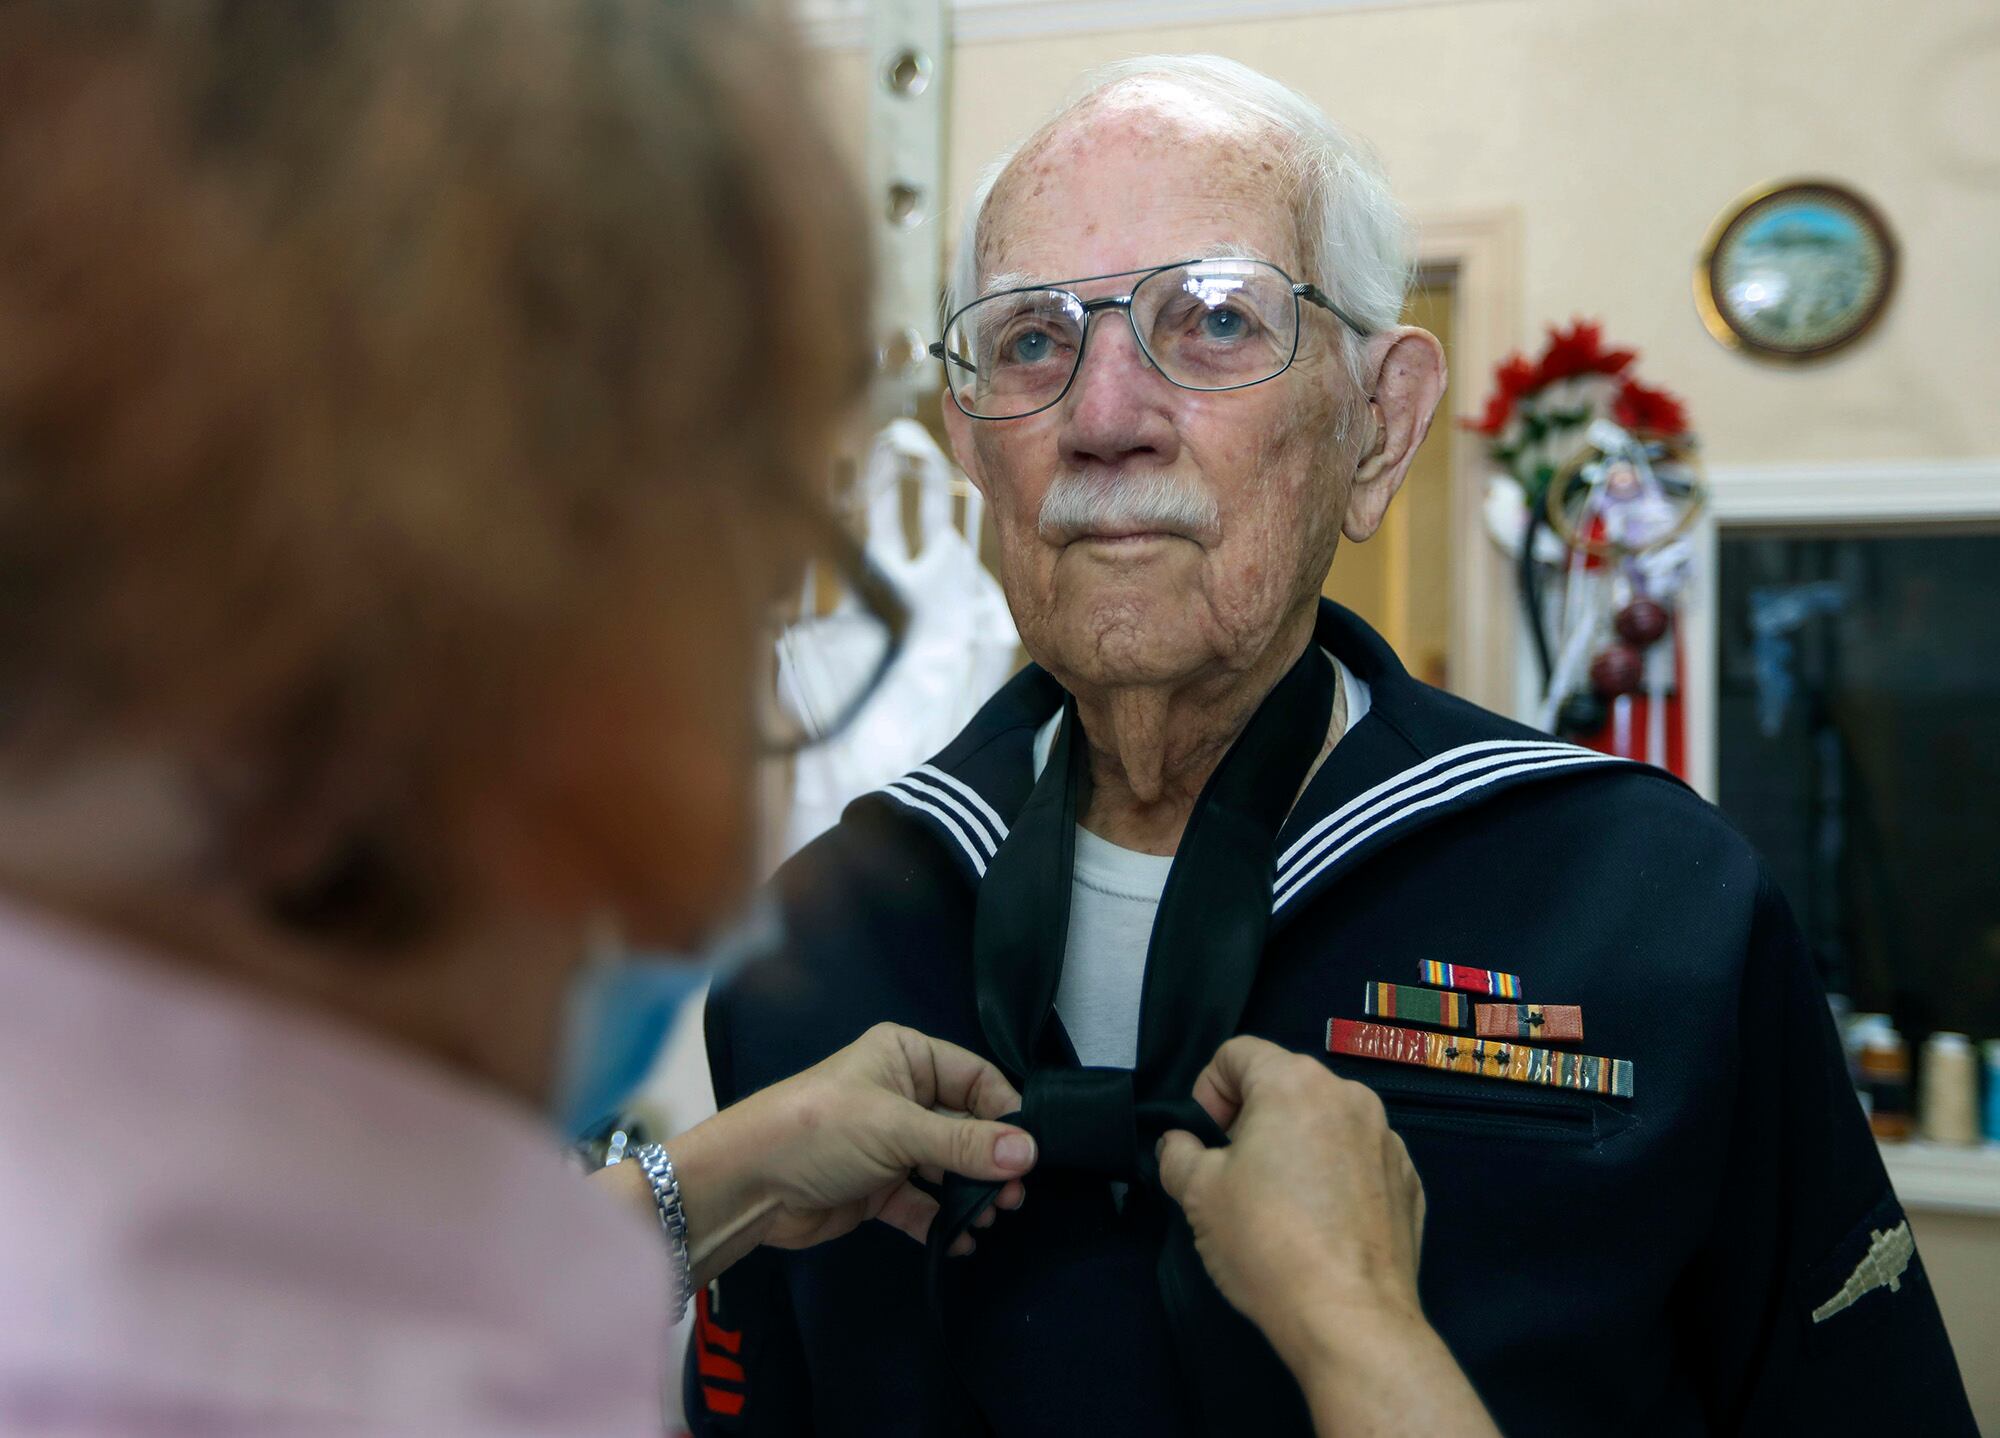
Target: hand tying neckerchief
x=1207, y=943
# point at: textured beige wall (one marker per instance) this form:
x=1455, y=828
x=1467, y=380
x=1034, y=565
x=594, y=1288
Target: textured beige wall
x=1618, y=131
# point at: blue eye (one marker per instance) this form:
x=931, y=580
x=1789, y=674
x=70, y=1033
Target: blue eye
x=1030, y=348
x=1223, y=325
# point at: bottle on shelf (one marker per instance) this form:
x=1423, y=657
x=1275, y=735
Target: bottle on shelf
x=1856, y=1030
x=1885, y=1078
x=1991, y=1048
x=1950, y=1090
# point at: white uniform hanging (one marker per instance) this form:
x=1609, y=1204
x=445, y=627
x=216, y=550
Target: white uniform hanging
x=959, y=648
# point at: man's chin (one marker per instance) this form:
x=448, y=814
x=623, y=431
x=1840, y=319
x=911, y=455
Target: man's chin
x=1119, y=636
x=1097, y=582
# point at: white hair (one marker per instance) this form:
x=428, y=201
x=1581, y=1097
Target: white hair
x=1356, y=237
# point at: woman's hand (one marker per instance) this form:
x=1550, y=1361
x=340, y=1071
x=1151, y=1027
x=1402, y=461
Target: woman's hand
x=1313, y=1203
x=808, y=1159
x=1310, y=1223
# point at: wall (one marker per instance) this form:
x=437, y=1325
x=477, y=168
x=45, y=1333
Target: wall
x=1619, y=131
x=1962, y=1256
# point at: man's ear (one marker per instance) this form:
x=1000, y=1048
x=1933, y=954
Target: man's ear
x=1409, y=370
x=958, y=430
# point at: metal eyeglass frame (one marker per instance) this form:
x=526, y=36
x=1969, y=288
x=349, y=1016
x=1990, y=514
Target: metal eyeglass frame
x=878, y=597
x=1311, y=293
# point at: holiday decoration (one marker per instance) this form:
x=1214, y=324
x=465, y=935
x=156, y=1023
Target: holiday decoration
x=1594, y=492
x=1583, y=713
x=1641, y=622
x=1620, y=669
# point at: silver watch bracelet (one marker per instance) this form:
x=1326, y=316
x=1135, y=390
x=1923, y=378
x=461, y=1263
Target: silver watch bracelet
x=659, y=1170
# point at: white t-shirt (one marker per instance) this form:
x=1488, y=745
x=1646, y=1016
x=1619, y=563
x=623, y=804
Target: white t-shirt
x=1114, y=895
x=1114, y=898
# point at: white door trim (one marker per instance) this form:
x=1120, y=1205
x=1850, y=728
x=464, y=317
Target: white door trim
x=1482, y=250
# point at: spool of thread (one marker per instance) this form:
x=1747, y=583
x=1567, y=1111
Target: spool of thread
x=1885, y=1074
x=1950, y=1089
x=1992, y=1050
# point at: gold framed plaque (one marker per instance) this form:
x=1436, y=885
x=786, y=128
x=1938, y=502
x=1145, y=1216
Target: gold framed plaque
x=1796, y=272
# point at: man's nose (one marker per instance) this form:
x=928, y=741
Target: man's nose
x=1117, y=413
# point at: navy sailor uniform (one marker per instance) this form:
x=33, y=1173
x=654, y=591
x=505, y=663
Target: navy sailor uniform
x=1719, y=1253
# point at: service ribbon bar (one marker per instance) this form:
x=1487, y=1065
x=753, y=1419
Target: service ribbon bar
x=1478, y=981
x=1555, y=1023
x=1419, y=1006
x=1492, y=1058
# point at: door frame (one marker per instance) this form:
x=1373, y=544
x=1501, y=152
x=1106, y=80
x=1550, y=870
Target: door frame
x=1480, y=250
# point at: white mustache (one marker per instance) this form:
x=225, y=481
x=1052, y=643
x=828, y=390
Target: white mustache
x=1078, y=504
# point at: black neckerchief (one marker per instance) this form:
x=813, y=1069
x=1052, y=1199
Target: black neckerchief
x=1208, y=939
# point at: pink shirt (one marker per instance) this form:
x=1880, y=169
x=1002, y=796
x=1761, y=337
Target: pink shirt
x=220, y=1218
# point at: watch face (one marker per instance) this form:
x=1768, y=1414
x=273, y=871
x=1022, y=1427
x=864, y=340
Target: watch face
x=1796, y=273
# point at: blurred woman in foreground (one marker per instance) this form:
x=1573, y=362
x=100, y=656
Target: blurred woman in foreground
x=407, y=414
x=401, y=432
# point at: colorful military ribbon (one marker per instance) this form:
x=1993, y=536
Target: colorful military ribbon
x=1419, y=1006
x=1478, y=981
x=1555, y=1023
x=1490, y=1058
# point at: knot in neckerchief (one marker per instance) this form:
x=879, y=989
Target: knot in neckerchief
x=1207, y=942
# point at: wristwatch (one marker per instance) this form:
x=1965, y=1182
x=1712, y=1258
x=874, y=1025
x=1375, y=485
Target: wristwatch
x=659, y=1170
x=618, y=1140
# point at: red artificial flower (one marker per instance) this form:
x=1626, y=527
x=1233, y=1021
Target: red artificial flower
x=1580, y=350
x=1649, y=411
x=1514, y=378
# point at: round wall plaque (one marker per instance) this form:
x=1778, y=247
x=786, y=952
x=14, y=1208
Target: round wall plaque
x=1796, y=271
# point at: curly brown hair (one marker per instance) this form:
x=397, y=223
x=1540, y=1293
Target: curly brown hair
x=365, y=366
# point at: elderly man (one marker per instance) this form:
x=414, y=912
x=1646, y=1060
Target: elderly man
x=1215, y=805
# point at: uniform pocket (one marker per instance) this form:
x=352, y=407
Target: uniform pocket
x=1473, y=1107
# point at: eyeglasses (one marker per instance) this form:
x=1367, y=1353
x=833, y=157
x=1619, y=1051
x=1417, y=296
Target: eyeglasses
x=818, y=671
x=1203, y=324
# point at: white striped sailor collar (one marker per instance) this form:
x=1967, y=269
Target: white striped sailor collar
x=1418, y=755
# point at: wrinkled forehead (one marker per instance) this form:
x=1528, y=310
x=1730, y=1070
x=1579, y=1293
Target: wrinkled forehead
x=1123, y=186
